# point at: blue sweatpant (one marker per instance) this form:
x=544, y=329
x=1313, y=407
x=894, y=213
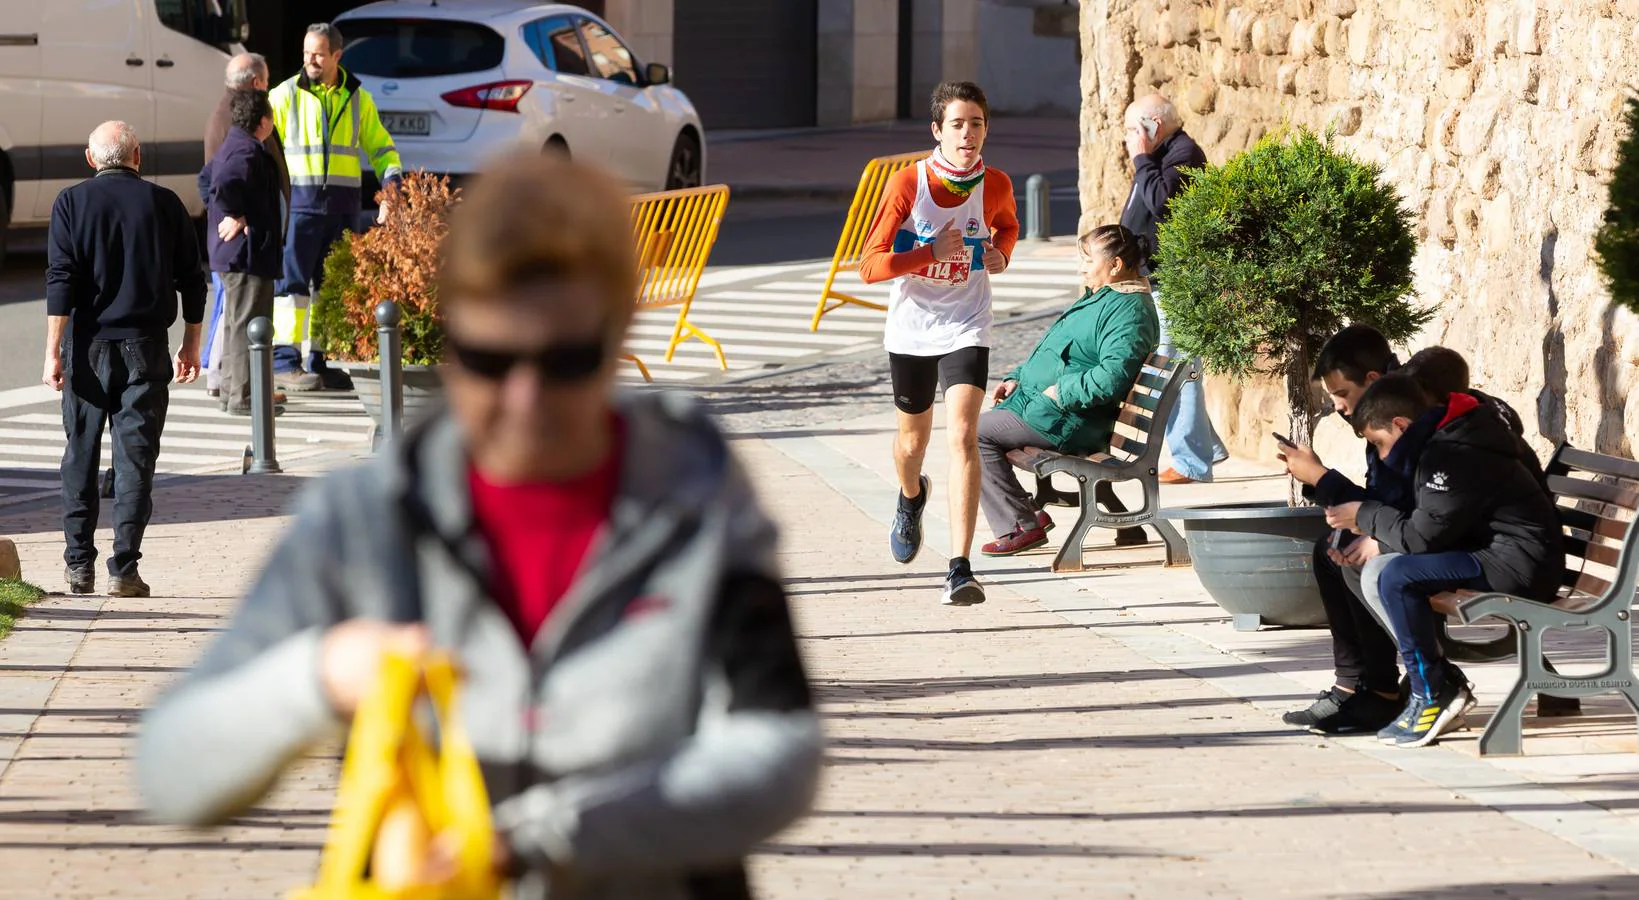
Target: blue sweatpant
x=307, y=243
x=1405, y=584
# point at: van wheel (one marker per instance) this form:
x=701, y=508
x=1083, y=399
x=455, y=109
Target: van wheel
x=684, y=169
x=556, y=146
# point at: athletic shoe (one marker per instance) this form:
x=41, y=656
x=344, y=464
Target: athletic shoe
x=1426, y=718
x=296, y=381
x=81, y=580
x=1016, y=542
x=1327, y=703
x=130, y=585
x=905, y=539
x=961, y=588
x=1363, y=712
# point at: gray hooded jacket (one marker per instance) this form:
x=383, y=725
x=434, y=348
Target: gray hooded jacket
x=658, y=727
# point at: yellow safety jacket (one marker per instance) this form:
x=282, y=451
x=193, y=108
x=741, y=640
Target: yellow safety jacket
x=330, y=132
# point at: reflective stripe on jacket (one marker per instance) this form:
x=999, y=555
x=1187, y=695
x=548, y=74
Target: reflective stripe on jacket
x=330, y=134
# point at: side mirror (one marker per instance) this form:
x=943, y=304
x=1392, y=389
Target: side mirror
x=657, y=73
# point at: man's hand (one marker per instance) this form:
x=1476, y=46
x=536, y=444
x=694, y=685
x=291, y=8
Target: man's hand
x=995, y=260
x=350, y=657
x=1139, y=143
x=1361, y=552
x=53, y=376
x=1052, y=393
x=187, y=363
x=381, y=215
x=1003, y=391
x=1302, y=463
x=229, y=227
x=1343, y=516
x=947, y=244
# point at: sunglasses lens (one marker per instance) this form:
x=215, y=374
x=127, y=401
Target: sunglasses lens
x=571, y=362
x=489, y=364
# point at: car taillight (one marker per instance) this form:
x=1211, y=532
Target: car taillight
x=502, y=96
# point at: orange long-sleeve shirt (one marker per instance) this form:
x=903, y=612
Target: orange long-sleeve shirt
x=878, y=262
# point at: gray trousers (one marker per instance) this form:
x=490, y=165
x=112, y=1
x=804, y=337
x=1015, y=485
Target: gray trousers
x=244, y=297
x=1008, y=507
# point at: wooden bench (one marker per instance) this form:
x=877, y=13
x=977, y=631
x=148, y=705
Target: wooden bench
x=1597, y=497
x=1135, y=453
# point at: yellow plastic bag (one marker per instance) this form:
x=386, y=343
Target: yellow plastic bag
x=397, y=792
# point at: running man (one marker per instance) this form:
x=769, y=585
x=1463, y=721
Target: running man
x=944, y=227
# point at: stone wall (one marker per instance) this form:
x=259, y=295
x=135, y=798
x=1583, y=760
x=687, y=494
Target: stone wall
x=1496, y=119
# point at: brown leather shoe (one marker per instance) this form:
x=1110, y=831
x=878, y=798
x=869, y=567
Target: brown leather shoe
x=1017, y=542
x=1170, y=475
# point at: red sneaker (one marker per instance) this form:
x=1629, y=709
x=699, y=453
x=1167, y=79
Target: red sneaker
x=1017, y=542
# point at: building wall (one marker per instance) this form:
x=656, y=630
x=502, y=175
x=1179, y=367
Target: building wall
x=1497, y=120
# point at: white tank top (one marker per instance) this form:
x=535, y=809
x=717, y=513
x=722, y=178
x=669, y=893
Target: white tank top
x=943, y=306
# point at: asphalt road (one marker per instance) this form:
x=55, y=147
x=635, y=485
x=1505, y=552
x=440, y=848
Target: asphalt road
x=754, y=232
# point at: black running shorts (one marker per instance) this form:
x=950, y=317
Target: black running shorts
x=916, y=379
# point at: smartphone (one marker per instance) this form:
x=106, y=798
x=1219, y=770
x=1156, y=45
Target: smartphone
x=1283, y=440
x=1151, y=126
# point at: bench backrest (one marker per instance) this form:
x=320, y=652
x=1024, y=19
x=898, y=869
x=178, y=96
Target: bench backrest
x=1143, y=416
x=1597, y=496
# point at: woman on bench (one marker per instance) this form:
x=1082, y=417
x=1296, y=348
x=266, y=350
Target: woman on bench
x=1068, y=392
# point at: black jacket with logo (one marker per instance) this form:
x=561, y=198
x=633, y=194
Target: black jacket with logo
x=1475, y=495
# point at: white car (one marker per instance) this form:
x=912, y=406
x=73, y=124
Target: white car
x=459, y=83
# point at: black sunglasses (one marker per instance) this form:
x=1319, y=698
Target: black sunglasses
x=563, y=363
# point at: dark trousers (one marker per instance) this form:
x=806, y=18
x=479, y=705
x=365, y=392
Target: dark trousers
x=1008, y=507
x=307, y=242
x=1406, y=583
x=126, y=384
x=1363, y=654
x=244, y=298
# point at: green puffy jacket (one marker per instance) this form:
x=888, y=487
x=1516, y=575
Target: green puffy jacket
x=1093, y=354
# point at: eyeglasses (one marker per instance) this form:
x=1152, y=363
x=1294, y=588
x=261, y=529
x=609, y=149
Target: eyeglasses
x=562, y=363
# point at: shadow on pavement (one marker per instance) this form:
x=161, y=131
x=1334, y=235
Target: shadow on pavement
x=1584, y=889
x=953, y=849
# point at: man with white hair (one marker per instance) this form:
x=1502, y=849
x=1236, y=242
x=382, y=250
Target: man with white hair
x=246, y=72
x=110, y=304
x=1160, y=151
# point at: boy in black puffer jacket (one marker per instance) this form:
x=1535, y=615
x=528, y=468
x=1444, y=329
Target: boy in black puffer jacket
x=1482, y=521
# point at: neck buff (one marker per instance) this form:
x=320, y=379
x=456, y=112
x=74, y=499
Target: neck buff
x=960, y=182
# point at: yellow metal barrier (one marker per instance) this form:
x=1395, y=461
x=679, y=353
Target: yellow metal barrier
x=673, y=232
x=851, y=245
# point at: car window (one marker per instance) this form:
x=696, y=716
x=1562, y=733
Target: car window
x=215, y=22
x=610, y=58
x=557, y=45
x=419, y=48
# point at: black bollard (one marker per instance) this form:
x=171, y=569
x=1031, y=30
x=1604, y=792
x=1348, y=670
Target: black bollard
x=259, y=458
x=392, y=373
x=1037, y=218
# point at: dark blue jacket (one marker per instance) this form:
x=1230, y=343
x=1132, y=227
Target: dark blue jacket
x=119, y=252
x=1157, y=177
x=243, y=181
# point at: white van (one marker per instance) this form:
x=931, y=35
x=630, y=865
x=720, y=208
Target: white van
x=68, y=65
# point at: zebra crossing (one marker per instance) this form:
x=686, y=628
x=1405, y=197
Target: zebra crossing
x=761, y=315
x=198, y=436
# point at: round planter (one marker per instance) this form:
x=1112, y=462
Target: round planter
x=423, y=390
x=1256, y=560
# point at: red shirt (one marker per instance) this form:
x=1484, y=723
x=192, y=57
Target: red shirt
x=539, y=534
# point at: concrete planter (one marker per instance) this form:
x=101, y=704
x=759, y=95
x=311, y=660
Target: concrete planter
x=423, y=390
x=1256, y=560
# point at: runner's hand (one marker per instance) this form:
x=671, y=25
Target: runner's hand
x=350, y=657
x=995, y=260
x=1003, y=391
x=947, y=244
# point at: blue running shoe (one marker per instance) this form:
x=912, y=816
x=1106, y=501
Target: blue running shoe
x=906, y=537
x=961, y=588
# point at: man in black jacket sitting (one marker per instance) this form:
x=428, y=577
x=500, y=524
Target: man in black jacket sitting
x=120, y=250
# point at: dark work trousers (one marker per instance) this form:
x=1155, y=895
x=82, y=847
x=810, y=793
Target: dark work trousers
x=125, y=383
x=1363, y=653
x=1007, y=505
x=1406, y=583
x=307, y=242
x=244, y=298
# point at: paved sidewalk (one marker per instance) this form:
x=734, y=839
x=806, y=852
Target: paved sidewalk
x=1106, y=735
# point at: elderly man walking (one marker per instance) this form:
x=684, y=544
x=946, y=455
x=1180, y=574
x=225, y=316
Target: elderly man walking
x=329, y=125
x=1160, y=151
x=246, y=72
x=120, y=251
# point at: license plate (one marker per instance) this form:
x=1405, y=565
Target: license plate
x=407, y=123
